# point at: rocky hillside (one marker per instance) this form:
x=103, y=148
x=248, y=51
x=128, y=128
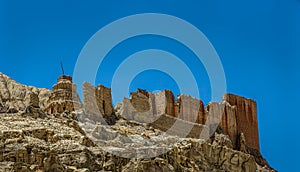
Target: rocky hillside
x=15, y=97
x=32, y=140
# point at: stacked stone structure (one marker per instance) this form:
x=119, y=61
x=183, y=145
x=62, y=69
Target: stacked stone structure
x=63, y=96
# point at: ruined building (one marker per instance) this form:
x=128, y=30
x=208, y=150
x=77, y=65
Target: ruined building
x=63, y=96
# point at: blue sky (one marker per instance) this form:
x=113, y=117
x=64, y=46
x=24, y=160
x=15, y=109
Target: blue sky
x=258, y=43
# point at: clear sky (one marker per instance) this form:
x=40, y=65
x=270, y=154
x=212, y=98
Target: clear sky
x=258, y=42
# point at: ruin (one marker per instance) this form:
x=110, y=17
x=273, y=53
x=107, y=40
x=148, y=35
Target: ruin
x=63, y=96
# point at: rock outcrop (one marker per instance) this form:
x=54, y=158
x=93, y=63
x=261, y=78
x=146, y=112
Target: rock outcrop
x=16, y=97
x=143, y=138
x=190, y=109
x=97, y=101
x=53, y=144
x=163, y=103
x=246, y=118
x=236, y=116
x=224, y=115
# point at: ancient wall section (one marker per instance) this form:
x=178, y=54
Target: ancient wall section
x=236, y=114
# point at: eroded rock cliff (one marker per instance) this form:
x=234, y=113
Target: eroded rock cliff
x=34, y=140
x=15, y=96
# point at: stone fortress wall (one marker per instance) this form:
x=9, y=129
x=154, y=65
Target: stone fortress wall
x=237, y=115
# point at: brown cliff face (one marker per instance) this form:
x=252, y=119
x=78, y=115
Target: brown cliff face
x=139, y=100
x=90, y=103
x=246, y=118
x=236, y=115
x=97, y=101
x=224, y=115
x=190, y=109
x=163, y=103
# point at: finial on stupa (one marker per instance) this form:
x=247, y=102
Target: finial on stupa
x=62, y=68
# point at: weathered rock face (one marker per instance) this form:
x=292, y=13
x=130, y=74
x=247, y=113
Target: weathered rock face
x=235, y=116
x=97, y=100
x=224, y=115
x=54, y=144
x=163, y=103
x=146, y=107
x=90, y=103
x=16, y=97
x=140, y=100
x=190, y=109
x=246, y=118
x=180, y=128
x=128, y=111
x=32, y=144
x=31, y=140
